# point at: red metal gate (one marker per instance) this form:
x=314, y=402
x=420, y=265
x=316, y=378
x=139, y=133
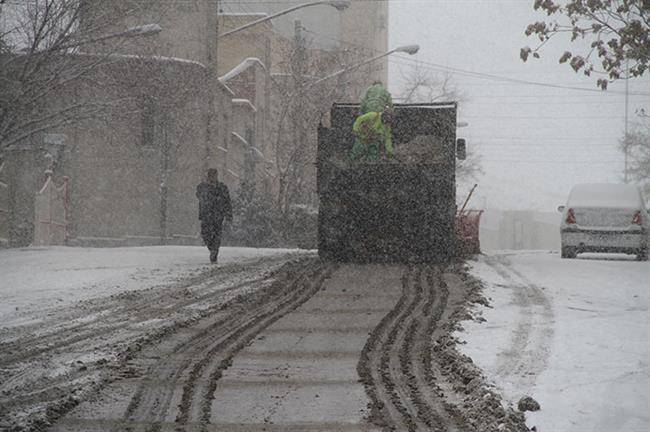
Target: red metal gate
x=467, y=232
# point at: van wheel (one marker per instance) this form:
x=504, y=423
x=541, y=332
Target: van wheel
x=642, y=255
x=568, y=252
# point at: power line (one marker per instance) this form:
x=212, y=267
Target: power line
x=482, y=75
x=488, y=76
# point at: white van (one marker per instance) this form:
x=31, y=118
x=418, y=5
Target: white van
x=604, y=217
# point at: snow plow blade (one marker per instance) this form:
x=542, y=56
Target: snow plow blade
x=467, y=233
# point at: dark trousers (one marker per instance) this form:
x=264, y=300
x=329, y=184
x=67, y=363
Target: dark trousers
x=211, y=234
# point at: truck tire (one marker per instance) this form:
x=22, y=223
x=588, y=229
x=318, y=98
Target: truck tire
x=568, y=252
x=642, y=255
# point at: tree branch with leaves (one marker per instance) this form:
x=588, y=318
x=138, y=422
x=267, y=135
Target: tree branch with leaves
x=636, y=145
x=617, y=32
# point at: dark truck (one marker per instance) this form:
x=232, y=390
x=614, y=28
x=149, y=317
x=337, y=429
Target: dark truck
x=400, y=210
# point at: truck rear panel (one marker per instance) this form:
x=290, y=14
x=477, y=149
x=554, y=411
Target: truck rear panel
x=392, y=211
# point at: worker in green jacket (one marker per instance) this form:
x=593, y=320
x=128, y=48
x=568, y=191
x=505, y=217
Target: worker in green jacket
x=376, y=99
x=373, y=136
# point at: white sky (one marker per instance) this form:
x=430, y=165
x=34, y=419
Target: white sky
x=535, y=142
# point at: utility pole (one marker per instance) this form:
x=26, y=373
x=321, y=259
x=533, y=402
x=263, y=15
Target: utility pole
x=299, y=116
x=627, y=97
x=213, y=80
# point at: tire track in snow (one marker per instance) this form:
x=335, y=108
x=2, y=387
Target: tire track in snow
x=396, y=363
x=114, y=315
x=37, y=375
x=191, y=371
x=529, y=346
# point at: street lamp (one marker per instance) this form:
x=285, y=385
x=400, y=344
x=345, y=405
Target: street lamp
x=339, y=5
x=408, y=49
x=142, y=30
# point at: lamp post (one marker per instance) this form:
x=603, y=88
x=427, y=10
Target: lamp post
x=408, y=49
x=340, y=5
x=142, y=30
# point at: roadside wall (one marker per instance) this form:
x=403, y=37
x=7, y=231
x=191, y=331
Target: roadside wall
x=500, y=230
x=4, y=204
x=133, y=165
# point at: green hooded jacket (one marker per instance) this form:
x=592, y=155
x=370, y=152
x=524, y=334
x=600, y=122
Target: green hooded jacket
x=376, y=99
x=371, y=135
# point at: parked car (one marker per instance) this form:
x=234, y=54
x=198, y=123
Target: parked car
x=603, y=217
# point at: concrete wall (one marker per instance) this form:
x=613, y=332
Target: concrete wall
x=23, y=174
x=251, y=81
x=189, y=27
x=240, y=163
x=224, y=121
x=519, y=230
x=4, y=204
x=253, y=43
x=363, y=26
x=134, y=166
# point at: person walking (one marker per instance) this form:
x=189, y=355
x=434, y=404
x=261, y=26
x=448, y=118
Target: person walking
x=214, y=207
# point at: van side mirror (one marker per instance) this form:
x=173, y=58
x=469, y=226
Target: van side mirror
x=560, y=209
x=461, y=149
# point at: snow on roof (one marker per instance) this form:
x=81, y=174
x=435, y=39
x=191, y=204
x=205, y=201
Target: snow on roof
x=240, y=138
x=258, y=152
x=435, y=105
x=241, y=67
x=243, y=14
x=288, y=75
x=447, y=106
x=244, y=102
x=157, y=58
x=605, y=195
x=226, y=88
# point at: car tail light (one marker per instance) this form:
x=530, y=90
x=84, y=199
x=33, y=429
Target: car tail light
x=636, y=219
x=570, y=217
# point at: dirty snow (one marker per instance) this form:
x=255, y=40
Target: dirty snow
x=573, y=334
x=39, y=278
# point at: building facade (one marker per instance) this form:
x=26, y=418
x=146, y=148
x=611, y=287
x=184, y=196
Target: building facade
x=362, y=28
x=130, y=170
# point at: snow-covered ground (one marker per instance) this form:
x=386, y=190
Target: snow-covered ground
x=573, y=334
x=33, y=279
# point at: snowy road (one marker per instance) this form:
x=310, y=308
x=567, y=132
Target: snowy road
x=573, y=334
x=270, y=341
x=72, y=319
x=149, y=337
x=37, y=279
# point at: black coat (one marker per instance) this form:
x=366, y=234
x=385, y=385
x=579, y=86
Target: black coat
x=214, y=203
